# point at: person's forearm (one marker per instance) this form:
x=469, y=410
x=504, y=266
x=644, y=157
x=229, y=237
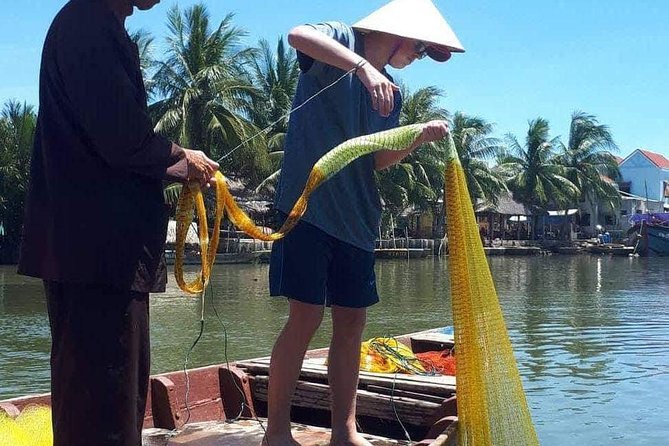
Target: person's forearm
x=320, y=47
x=386, y=158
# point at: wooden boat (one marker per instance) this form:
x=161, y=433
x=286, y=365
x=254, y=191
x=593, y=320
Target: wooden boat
x=227, y=403
x=568, y=250
x=512, y=250
x=193, y=258
x=657, y=239
x=614, y=249
x=652, y=231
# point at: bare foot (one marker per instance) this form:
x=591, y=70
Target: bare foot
x=279, y=440
x=349, y=440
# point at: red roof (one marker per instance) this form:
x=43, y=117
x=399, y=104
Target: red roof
x=618, y=159
x=657, y=159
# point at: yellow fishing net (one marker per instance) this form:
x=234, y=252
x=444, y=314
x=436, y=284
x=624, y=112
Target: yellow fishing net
x=492, y=409
x=388, y=355
x=31, y=428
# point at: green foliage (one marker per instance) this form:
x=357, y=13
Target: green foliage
x=534, y=175
x=475, y=146
x=212, y=93
x=275, y=74
x=206, y=92
x=588, y=160
x=17, y=129
x=419, y=178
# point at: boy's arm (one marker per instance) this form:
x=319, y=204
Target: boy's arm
x=432, y=131
x=321, y=47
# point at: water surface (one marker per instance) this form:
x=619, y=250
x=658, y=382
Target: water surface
x=591, y=334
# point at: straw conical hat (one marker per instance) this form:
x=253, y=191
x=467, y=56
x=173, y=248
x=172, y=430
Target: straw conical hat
x=415, y=19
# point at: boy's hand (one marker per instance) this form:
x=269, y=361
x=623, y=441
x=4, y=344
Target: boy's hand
x=434, y=131
x=381, y=90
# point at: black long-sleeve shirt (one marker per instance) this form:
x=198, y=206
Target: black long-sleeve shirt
x=95, y=211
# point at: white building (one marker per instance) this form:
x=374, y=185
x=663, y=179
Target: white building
x=646, y=174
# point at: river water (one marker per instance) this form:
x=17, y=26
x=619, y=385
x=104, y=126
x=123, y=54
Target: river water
x=590, y=334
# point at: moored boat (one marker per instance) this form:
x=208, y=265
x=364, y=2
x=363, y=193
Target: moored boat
x=614, y=249
x=657, y=239
x=653, y=233
x=227, y=403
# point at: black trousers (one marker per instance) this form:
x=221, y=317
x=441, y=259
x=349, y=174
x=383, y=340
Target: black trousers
x=100, y=364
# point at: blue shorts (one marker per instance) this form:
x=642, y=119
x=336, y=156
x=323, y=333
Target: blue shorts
x=313, y=267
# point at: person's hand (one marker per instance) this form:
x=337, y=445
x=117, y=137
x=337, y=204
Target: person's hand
x=381, y=90
x=200, y=167
x=434, y=131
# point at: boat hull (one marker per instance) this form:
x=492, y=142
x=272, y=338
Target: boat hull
x=657, y=239
x=221, y=393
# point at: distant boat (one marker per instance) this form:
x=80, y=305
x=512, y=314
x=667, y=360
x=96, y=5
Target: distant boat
x=653, y=230
x=193, y=258
x=657, y=238
x=614, y=249
x=402, y=253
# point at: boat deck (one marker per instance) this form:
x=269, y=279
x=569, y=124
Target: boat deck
x=226, y=403
x=245, y=432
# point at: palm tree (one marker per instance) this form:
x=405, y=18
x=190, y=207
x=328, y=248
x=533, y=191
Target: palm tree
x=418, y=179
x=207, y=93
x=17, y=129
x=589, y=162
x=534, y=176
x=475, y=146
x=275, y=74
x=144, y=41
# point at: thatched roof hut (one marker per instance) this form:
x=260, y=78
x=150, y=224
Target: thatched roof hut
x=505, y=205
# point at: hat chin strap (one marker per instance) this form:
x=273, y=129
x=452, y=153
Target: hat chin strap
x=394, y=51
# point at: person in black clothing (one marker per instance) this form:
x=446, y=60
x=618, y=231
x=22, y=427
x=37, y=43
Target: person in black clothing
x=96, y=222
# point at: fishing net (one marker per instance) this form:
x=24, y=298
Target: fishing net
x=388, y=355
x=441, y=362
x=492, y=409
x=31, y=428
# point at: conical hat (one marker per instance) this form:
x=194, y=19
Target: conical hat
x=415, y=19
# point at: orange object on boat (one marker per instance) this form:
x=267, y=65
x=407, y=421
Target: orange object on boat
x=442, y=362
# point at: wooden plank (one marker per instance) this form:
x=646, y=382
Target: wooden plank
x=439, y=385
x=10, y=410
x=395, y=393
x=246, y=432
x=317, y=396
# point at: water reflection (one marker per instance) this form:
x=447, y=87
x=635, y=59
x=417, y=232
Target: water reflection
x=590, y=334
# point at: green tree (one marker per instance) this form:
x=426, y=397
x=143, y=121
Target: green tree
x=144, y=41
x=275, y=74
x=206, y=92
x=418, y=179
x=588, y=160
x=475, y=146
x=17, y=130
x=534, y=176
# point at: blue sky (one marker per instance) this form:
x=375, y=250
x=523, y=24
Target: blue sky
x=525, y=59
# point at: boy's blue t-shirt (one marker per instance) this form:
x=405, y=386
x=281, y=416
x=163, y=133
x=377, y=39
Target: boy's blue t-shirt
x=347, y=206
